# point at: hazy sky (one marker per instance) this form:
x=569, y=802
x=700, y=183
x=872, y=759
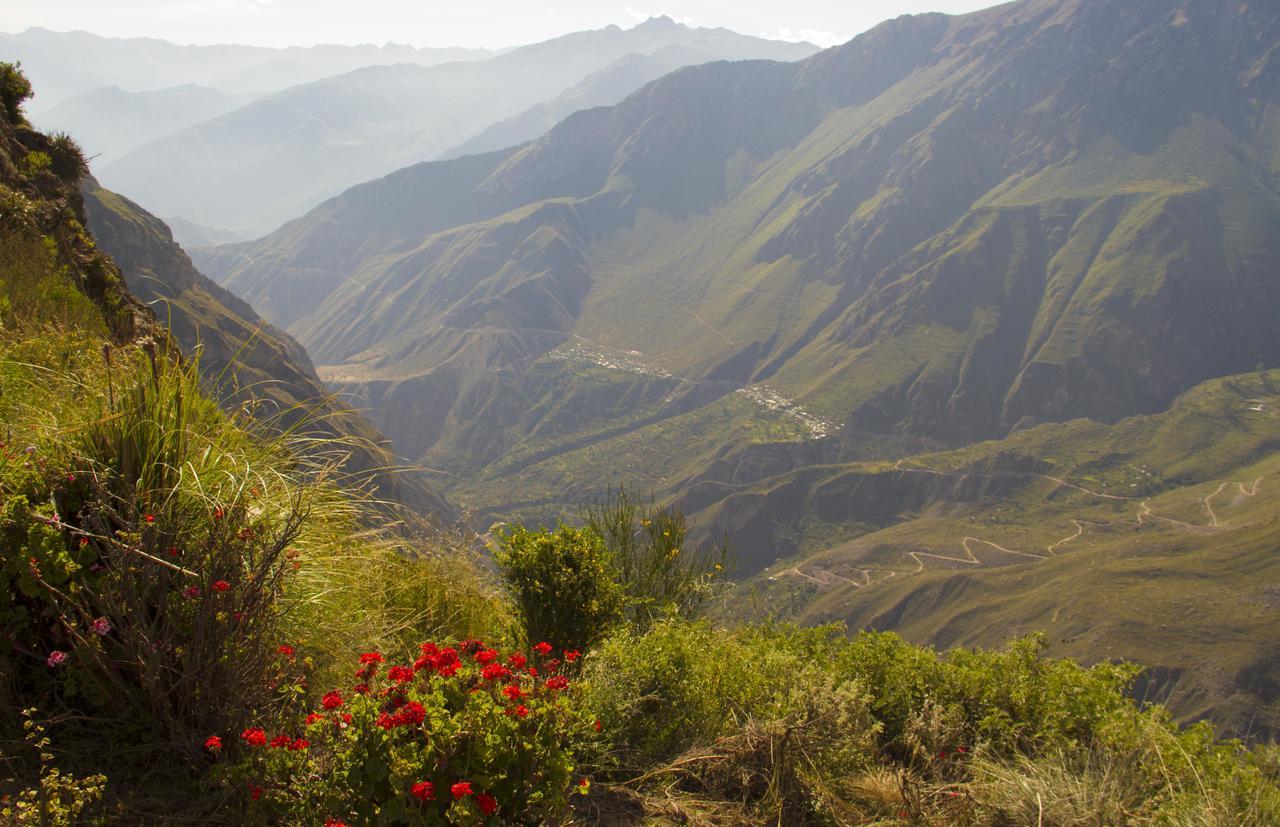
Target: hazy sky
x=488, y=23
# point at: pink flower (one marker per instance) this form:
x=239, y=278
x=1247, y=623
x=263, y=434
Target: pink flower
x=100, y=627
x=190, y=591
x=56, y=658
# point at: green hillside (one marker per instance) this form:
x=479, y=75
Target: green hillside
x=245, y=361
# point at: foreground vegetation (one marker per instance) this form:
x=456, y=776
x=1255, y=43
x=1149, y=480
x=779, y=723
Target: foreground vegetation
x=200, y=623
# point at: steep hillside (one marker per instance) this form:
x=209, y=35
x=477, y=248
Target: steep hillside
x=246, y=360
x=253, y=169
x=1153, y=539
x=108, y=122
x=947, y=230
x=603, y=88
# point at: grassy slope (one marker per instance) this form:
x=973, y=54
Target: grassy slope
x=1152, y=539
x=245, y=360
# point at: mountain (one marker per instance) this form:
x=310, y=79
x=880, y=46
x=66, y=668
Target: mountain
x=189, y=234
x=108, y=122
x=63, y=64
x=948, y=229
x=1152, y=540
x=246, y=360
x=252, y=169
x=603, y=88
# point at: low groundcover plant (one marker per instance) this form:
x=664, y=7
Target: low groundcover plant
x=462, y=735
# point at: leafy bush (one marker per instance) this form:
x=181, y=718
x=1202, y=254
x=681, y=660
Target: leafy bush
x=659, y=573
x=562, y=584
x=142, y=558
x=57, y=800
x=462, y=735
x=15, y=90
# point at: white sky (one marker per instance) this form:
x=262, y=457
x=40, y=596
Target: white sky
x=482, y=23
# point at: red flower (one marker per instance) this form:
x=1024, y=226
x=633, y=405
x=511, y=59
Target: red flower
x=361, y=689
x=413, y=713
x=346, y=718
x=487, y=803
x=151, y=518
x=299, y=744
x=213, y=743
x=280, y=741
x=513, y=692
x=286, y=650
x=570, y=655
x=428, y=649
x=254, y=737
x=218, y=513
x=314, y=718
x=221, y=585
x=597, y=726
x=517, y=661
x=371, y=657
x=255, y=792
x=520, y=711
x=557, y=682
x=333, y=822
x=543, y=648
x=400, y=674
x=494, y=671
x=486, y=656
x=190, y=592
x=424, y=791
x=331, y=700
x=461, y=790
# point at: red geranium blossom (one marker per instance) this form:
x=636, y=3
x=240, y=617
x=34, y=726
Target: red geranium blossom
x=254, y=737
x=520, y=711
x=400, y=674
x=461, y=790
x=286, y=650
x=517, y=661
x=314, y=718
x=361, y=689
x=221, y=585
x=543, y=648
x=513, y=692
x=213, y=743
x=280, y=741
x=424, y=791
x=487, y=803
x=331, y=700
x=486, y=656
x=570, y=655
x=255, y=792
x=557, y=682
x=371, y=657
x=494, y=671
x=299, y=744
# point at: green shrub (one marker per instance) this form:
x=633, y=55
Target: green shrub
x=66, y=158
x=660, y=574
x=56, y=800
x=400, y=746
x=35, y=162
x=15, y=90
x=142, y=556
x=562, y=584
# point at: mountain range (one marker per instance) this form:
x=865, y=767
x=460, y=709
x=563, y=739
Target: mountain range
x=784, y=293
x=250, y=170
x=64, y=64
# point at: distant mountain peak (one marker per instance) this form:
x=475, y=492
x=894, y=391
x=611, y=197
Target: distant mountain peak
x=660, y=22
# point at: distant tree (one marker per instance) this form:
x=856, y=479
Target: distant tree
x=15, y=89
